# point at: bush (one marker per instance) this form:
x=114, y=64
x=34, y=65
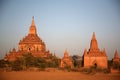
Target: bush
x=16, y=65
x=68, y=68
x=94, y=70
x=2, y=63
x=28, y=60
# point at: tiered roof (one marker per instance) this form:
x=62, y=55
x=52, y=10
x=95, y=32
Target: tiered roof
x=94, y=50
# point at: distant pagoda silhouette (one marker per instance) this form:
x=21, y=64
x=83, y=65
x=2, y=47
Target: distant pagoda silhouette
x=66, y=60
x=116, y=57
x=29, y=44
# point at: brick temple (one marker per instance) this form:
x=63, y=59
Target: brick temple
x=95, y=57
x=31, y=43
x=66, y=61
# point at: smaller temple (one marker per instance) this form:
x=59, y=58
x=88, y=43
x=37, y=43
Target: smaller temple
x=66, y=60
x=95, y=57
x=116, y=57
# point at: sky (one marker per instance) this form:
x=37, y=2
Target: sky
x=61, y=24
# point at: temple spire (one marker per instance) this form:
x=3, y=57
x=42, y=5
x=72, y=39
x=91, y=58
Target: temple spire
x=33, y=23
x=32, y=29
x=116, y=54
x=104, y=51
x=94, y=44
x=93, y=36
x=66, y=53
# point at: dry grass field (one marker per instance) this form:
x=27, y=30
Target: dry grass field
x=56, y=76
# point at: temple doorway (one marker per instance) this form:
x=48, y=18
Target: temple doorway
x=95, y=65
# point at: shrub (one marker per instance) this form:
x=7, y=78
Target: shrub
x=16, y=65
x=68, y=68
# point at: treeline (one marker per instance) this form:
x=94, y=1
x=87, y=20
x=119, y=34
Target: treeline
x=27, y=61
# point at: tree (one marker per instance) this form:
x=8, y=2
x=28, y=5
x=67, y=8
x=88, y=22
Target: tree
x=109, y=63
x=2, y=63
x=54, y=62
x=40, y=62
x=28, y=60
x=16, y=65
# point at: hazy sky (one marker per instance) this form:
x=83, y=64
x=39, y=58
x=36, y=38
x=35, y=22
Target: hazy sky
x=61, y=24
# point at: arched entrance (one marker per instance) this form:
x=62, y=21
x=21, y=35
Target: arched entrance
x=95, y=65
x=29, y=49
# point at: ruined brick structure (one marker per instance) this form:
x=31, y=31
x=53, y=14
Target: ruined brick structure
x=66, y=60
x=95, y=57
x=31, y=43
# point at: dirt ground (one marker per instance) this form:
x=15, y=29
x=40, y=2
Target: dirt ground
x=56, y=76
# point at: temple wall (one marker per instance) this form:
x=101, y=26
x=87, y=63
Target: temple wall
x=99, y=61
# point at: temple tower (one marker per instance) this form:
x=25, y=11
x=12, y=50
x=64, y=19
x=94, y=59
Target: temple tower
x=95, y=57
x=116, y=57
x=66, y=60
x=31, y=43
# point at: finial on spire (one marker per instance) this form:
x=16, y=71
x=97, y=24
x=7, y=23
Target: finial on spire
x=66, y=53
x=116, y=54
x=33, y=17
x=33, y=23
x=93, y=37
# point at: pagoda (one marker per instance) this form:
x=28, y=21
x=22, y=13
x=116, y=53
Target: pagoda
x=31, y=43
x=66, y=61
x=95, y=57
x=116, y=57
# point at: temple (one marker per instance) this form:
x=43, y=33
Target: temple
x=116, y=57
x=66, y=61
x=31, y=43
x=95, y=57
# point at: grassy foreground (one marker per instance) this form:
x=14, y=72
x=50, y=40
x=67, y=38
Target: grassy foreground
x=56, y=75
